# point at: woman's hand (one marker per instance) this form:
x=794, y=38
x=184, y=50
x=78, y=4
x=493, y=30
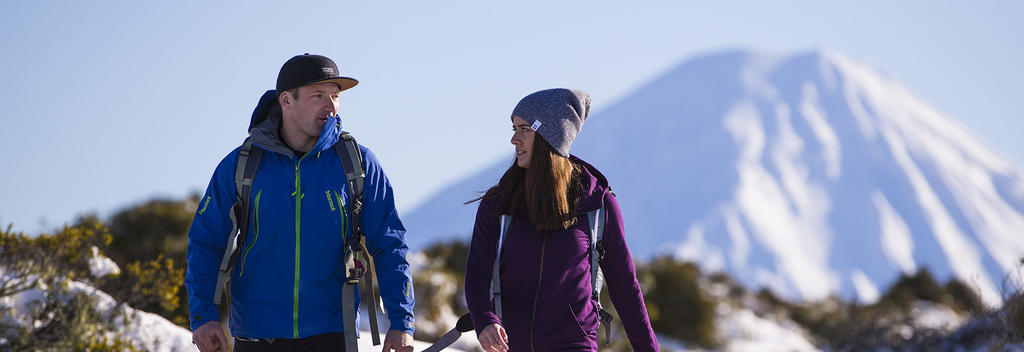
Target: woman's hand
x=493, y=339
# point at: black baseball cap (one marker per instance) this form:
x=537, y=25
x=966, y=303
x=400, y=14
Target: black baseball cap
x=309, y=69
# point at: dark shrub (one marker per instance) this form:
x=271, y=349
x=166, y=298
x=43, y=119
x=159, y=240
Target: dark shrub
x=964, y=298
x=155, y=227
x=149, y=241
x=675, y=302
x=906, y=290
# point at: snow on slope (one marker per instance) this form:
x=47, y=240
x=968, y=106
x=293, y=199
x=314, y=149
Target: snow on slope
x=151, y=332
x=810, y=174
x=148, y=331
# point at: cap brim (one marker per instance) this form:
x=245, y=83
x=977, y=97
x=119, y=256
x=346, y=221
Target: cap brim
x=343, y=83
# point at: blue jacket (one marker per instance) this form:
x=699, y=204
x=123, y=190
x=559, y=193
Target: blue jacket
x=287, y=282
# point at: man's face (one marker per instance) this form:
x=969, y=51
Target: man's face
x=311, y=107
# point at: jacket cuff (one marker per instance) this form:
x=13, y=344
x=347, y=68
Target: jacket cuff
x=197, y=319
x=483, y=320
x=406, y=325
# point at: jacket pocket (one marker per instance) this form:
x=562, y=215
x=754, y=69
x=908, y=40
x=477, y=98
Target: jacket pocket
x=256, y=232
x=577, y=321
x=560, y=329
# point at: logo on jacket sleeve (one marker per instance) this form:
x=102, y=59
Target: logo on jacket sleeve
x=205, y=205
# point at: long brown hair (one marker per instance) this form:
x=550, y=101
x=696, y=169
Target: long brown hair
x=547, y=190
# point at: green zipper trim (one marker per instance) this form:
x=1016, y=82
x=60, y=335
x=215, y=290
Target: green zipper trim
x=298, y=222
x=536, y=296
x=256, y=236
x=344, y=217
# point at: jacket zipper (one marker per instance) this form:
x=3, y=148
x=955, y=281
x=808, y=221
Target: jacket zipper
x=298, y=220
x=536, y=296
x=341, y=211
x=344, y=230
x=256, y=236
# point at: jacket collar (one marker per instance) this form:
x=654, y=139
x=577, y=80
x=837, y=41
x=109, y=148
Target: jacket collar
x=267, y=134
x=593, y=186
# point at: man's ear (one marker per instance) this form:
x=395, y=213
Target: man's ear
x=284, y=98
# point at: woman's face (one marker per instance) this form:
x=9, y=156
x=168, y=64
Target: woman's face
x=522, y=139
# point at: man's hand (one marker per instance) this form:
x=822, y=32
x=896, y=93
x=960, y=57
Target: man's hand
x=210, y=338
x=493, y=338
x=398, y=341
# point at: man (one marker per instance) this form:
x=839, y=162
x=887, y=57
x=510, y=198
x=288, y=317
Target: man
x=286, y=286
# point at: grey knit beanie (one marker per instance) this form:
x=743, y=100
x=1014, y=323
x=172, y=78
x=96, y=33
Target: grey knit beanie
x=556, y=114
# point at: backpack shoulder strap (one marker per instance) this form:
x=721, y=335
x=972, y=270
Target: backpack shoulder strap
x=495, y=276
x=352, y=163
x=357, y=258
x=249, y=158
x=598, y=218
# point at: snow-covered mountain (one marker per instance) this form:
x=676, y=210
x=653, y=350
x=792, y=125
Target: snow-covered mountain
x=809, y=174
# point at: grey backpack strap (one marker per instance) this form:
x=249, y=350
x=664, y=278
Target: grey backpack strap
x=495, y=276
x=348, y=300
x=245, y=171
x=597, y=219
x=358, y=261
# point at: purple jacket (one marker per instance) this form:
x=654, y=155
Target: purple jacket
x=545, y=279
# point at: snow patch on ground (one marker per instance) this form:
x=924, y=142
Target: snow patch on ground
x=148, y=331
x=101, y=266
x=935, y=316
x=745, y=331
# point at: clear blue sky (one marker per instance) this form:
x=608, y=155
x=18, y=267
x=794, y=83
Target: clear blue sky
x=109, y=103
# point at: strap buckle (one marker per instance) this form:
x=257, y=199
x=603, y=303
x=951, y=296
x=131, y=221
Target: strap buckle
x=606, y=319
x=357, y=205
x=357, y=272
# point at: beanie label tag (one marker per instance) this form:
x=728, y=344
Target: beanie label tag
x=536, y=125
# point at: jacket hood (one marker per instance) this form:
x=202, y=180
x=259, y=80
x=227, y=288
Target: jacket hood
x=593, y=186
x=267, y=134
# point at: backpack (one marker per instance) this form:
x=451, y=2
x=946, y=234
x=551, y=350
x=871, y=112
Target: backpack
x=356, y=257
x=597, y=219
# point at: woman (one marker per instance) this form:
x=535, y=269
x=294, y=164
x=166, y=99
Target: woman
x=546, y=293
